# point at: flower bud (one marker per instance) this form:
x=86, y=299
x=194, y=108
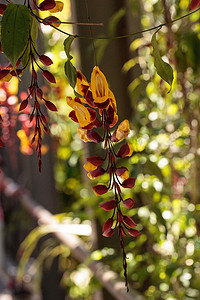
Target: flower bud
x=97, y=172
x=47, y=5
x=52, y=21
x=23, y=105
x=49, y=76
x=95, y=160
x=129, y=222
x=121, y=231
x=108, y=224
x=108, y=233
x=34, y=74
x=119, y=217
x=100, y=189
x=94, y=136
x=134, y=232
x=50, y=106
x=122, y=172
x=45, y=60
x=39, y=93
x=129, y=183
x=58, y=7
x=128, y=203
x=108, y=205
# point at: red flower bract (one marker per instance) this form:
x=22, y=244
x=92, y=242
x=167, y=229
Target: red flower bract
x=108, y=233
x=94, y=136
x=129, y=222
x=100, y=189
x=49, y=76
x=108, y=224
x=50, y=106
x=45, y=60
x=108, y=205
x=129, y=183
x=47, y=5
x=134, y=232
x=97, y=172
x=95, y=160
x=128, y=203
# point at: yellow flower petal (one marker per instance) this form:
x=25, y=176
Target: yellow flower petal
x=122, y=130
x=82, y=133
x=99, y=86
x=89, y=167
x=125, y=175
x=81, y=112
x=131, y=149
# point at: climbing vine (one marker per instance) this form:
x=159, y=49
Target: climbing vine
x=94, y=106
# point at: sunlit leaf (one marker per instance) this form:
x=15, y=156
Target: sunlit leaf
x=164, y=70
x=67, y=45
x=71, y=73
x=15, y=26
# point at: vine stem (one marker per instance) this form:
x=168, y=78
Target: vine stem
x=142, y=31
x=114, y=37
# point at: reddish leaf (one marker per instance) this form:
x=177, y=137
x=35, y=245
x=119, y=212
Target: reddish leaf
x=194, y=4
x=108, y=205
x=129, y=222
x=23, y=105
x=129, y=183
x=100, y=189
x=45, y=60
x=49, y=76
x=94, y=136
x=134, y=232
x=50, y=106
x=95, y=160
x=47, y=5
x=108, y=233
x=128, y=203
x=108, y=224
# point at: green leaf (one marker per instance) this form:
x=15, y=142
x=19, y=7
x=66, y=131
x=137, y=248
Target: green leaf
x=15, y=27
x=164, y=70
x=67, y=45
x=71, y=73
x=34, y=34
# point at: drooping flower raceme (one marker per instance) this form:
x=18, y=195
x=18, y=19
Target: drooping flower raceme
x=98, y=100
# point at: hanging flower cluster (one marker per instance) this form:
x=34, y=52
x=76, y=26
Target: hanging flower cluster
x=30, y=56
x=98, y=100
